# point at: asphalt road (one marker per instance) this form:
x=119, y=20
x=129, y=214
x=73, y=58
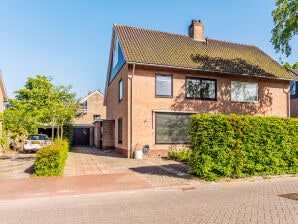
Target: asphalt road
x=234, y=202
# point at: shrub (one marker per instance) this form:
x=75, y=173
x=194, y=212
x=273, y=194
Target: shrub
x=179, y=154
x=237, y=146
x=50, y=160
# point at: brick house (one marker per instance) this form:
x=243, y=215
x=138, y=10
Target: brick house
x=3, y=98
x=294, y=95
x=92, y=111
x=156, y=80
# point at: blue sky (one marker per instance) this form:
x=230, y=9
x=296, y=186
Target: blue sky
x=69, y=40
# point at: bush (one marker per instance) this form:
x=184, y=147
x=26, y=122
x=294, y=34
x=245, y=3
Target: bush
x=238, y=146
x=179, y=154
x=50, y=160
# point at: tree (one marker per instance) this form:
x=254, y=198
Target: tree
x=38, y=104
x=285, y=19
x=288, y=66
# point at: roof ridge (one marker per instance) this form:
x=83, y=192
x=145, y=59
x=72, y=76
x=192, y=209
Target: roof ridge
x=184, y=35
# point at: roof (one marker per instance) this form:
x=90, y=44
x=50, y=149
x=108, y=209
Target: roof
x=294, y=71
x=89, y=95
x=153, y=47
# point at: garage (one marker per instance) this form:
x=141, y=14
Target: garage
x=82, y=135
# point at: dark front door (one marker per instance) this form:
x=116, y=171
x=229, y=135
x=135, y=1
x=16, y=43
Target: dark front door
x=81, y=136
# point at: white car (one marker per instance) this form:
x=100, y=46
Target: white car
x=35, y=142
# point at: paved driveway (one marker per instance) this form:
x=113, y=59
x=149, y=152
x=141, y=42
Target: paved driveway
x=156, y=171
x=16, y=165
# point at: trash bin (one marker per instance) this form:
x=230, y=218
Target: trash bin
x=138, y=154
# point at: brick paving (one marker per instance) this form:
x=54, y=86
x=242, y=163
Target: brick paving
x=156, y=171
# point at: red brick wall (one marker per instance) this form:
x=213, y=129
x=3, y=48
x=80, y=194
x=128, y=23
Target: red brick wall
x=116, y=109
x=108, y=140
x=272, y=102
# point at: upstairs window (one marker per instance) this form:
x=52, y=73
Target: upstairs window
x=244, y=92
x=115, y=52
x=120, y=89
x=199, y=88
x=163, y=85
x=292, y=88
x=96, y=117
x=83, y=105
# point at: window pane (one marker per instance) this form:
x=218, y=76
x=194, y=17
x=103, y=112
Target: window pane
x=292, y=87
x=250, y=92
x=244, y=92
x=236, y=91
x=171, y=127
x=208, y=89
x=163, y=85
x=120, y=90
x=193, y=87
x=115, y=52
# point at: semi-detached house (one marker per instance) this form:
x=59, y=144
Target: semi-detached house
x=156, y=80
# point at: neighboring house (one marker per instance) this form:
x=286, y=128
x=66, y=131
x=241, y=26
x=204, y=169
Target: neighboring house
x=3, y=98
x=91, y=110
x=294, y=94
x=156, y=80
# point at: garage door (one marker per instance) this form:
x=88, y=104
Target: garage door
x=81, y=136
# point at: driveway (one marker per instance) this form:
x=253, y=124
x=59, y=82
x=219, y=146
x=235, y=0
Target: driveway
x=156, y=171
x=83, y=161
x=15, y=165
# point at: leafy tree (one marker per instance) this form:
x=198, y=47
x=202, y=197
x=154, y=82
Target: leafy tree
x=38, y=104
x=285, y=18
x=287, y=65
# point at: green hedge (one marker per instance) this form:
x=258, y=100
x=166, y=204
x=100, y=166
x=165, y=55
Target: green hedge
x=238, y=146
x=50, y=160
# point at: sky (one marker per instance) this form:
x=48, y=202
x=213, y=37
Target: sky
x=69, y=40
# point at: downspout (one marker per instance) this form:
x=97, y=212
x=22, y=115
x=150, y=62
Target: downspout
x=132, y=75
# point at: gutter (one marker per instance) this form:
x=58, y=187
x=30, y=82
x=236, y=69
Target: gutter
x=201, y=70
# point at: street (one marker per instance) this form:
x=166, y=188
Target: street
x=227, y=202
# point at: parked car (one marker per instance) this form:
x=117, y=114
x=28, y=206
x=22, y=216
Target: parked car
x=35, y=142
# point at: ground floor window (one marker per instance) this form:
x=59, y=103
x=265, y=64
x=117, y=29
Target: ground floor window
x=171, y=127
x=120, y=130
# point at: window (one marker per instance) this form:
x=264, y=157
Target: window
x=83, y=105
x=244, y=92
x=199, y=88
x=292, y=88
x=115, y=52
x=96, y=117
x=120, y=90
x=171, y=127
x=163, y=85
x=120, y=130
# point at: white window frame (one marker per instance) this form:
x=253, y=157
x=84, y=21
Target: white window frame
x=241, y=90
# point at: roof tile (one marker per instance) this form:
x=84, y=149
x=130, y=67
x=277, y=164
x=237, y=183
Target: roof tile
x=160, y=48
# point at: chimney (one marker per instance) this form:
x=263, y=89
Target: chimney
x=196, y=30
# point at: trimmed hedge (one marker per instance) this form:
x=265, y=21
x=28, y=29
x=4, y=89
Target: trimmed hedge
x=50, y=160
x=237, y=146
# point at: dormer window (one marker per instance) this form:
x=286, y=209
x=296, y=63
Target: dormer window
x=115, y=52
